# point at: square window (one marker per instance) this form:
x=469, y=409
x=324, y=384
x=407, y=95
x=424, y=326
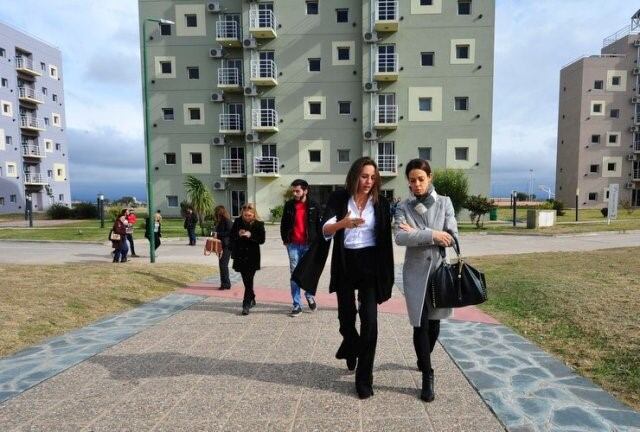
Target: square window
x=344, y=107
x=60, y=197
x=312, y=8
x=172, y=201
x=165, y=67
x=344, y=53
x=8, y=140
x=426, y=2
x=593, y=196
x=615, y=113
x=424, y=104
x=611, y=166
x=613, y=139
x=11, y=170
x=424, y=153
x=462, y=103
x=462, y=153
x=315, y=108
x=193, y=72
x=462, y=51
x=615, y=80
x=48, y=145
x=194, y=113
x=594, y=168
x=170, y=158
x=5, y=82
x=597, y=108
x=314, y=156
x=167, y=114
x=3, y=52
x=191, y=20
x=54, y=97
x=196, y=158
x=464, y=7
x=427, y=58
x=6, y=108
x=598, y=85
x=595, y=139
x=314, y=64
x=13, y=198
x=343, y=155
x=165, y=29
x=342, y=15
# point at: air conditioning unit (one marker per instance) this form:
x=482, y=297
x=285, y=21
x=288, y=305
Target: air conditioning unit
x=218, y=140
x=213, y=6
x=636, y=71
x=636, y=43
x=370, y=135
x=631, y=157
x=371, y=87
x=219, y=185
x=216, y=52
x=217, y=97
x=628, y=185
x=371, y=37
x=634, y=129
x=250, y=91
x=249, y=43
x=252, y=137
x=635, y=99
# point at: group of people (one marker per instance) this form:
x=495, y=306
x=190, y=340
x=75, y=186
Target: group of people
x=359, y=220
x=124, y=226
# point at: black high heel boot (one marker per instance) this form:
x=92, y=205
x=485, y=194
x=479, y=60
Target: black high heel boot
x=428, y=393
x=364, y=387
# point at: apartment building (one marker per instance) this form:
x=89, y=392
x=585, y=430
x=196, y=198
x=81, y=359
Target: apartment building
x=249, y=95
x=599, y=123
x=33, y=151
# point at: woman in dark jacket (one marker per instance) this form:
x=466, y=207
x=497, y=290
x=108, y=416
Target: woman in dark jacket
x=222, y=232
x=120, y=246
x=247, y=234
x=359, y=221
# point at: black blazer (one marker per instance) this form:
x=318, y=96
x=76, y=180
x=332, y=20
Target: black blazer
x=223, y=232
x=246, y=251
x=314, y=227
x=310, y=267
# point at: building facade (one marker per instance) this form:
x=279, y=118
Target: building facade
x=33, y=150
x=250, y=95
x=599, y=124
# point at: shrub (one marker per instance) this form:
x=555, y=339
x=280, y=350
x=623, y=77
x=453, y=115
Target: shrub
x=276, y=213
x=626, y=205
x=113, y=212
x=478, y=206
x=556, y=205
x=59, y=211
x=604, y=211
x=85, y=210
x=454, y=184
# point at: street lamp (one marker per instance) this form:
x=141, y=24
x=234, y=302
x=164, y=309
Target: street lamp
x=29, y=208
x=101, y=209
x=577, y=197
x=145, y=102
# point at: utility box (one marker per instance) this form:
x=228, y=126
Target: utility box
x=540, y=218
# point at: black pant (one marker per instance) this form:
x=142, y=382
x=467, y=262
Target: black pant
x=247, y=280
x=223, y=262
x=130, y=238
x=425, y=337
x=191, y=231
x=361, y=277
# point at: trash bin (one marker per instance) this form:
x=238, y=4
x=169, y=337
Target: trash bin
x=493, y=214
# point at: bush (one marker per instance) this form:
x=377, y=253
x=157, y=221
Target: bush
x=478, y=206
x=276, y=213
x=59, y=211
x=113, y=212
x=85, y=210
x=604, y=211
x=184, y=205
x=556, y=205
x=454, y=184
x=626, y=205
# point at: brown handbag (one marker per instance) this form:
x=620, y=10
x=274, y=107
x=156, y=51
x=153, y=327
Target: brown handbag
x=213, y=245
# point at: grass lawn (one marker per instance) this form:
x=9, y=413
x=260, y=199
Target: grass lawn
x=37, y=302
x=562, y=228
x=583, y=307
x=506, y=214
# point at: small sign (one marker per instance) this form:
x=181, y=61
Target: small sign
x=613, y=201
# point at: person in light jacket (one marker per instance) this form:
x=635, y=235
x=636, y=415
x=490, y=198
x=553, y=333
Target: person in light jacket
x=424, y=223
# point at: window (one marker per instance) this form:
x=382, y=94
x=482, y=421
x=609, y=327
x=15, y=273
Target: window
x=165, y=67
x=8, y=140
x=172, y=201
x=594, y=168
x=194, y=113
x=170, y=158
x=462, y=51
x=598, y=85
x=191, y=20
x=11, y=170
x=44, y=91
x=59, y=172
x=58, y=146
x=53, y=72
x=427, y=58
x=6, y=108
x=314, y=65
x=315, y=108
x=314, y=156
x=60, y=197
x=54, y=97
x=593, y=196
x=46, y=121
x=426, y=2
x=165, y=29
x=343, y=155
x=167, y=114
x=196, y=158
x=1, y=201
x=615, y=113
x=49, y=173
x=462, y=153
x=3, y=52
x=424, y=104
x=424, y=153
x=193, y=72
x=344, y=107
x=342, y=15
x=595, y=139
x=462, y=103
x=344, y=53
x=13, y=198
x=312, y=7
x=613, y=139
x=5, y=82
x=48, y=145
x=43, y=66
x=597, y=108
x=615, y=80
x=56, y=120
x=464, y=7
x=611, y=166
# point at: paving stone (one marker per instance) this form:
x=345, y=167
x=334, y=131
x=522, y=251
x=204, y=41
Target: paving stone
x=420, y=424
x=578, y=418
x=484, y=381
x=326, y=425
x=621, y=417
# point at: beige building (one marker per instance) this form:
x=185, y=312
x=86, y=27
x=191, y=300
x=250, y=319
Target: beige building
x=599, y=124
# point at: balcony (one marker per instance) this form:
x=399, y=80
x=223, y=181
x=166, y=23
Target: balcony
x=264, y=120
x=229, y=79
x=27, y=94
x=386, y=67
x=388, y=165
x=266, y=166
x=31, y=150
x=636, y=145
x=386, y=117
x=636, y=118
x=386, y=19
x=264, y=73
x=262, y=24
x=25, y=65
x=31, y=123
x=231, y=124
x=228, y=33
x=34, y=179
x=232, y=168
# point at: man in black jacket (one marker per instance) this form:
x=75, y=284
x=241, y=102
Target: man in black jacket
x=190, y=222
x=299, y=227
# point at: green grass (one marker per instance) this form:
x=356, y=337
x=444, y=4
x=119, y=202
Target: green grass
x=506, y=214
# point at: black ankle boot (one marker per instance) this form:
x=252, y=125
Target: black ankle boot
x=352, y=361
x=428, y=393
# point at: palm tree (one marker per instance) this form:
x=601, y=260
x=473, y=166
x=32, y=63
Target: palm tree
x=200, y=199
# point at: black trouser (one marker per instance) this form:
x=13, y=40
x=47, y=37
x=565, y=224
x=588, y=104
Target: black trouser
x=130, y=238
x=247, y=280
x=362, y=266
x=223, y=262
x=425, y=337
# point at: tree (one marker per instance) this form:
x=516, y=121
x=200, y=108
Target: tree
x=521, y=196
x=454, y=184
x=200, y=198
x=478, y=206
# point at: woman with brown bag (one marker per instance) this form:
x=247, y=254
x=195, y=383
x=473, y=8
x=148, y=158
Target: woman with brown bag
x=119, y=237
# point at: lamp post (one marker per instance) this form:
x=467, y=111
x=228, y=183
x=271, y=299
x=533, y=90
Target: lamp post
x=577, y=197
x=147, y=144
x=29, y=209
x=514, y=195
x=101, y=209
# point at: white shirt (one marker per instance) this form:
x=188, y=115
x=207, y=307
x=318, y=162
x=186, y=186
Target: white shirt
x=362, y=236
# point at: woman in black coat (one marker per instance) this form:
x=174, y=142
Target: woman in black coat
x=247, y=234
x=359, y=221
x=222, y=232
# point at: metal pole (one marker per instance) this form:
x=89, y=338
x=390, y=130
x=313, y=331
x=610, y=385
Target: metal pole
x=515, y=198
x=30, y=210
x=101, y=210
x=145, y=97
x=576, y=207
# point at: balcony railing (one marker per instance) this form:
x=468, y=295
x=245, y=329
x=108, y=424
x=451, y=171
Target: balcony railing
x=636, y=146
x=232, y=167
x=25, y=64
x=227, y=30
x=31, y=150
x=264, y=119
x=30, y=122
x=387, y=164
x=228, y=77
x=262, y=23
x=386, y=116
x=28, y=93
x=387, y=63
x=264, y=72
x=266, y=165
x=386, y=10
x=33, y=178
x=231, y=123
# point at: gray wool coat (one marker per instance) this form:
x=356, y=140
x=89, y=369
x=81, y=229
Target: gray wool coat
x=422, y=256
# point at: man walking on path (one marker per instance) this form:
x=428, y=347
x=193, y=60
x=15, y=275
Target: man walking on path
x=299, y=227
x=131, y=217
x=190, y=222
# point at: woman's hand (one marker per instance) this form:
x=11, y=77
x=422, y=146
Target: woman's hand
x=442, y=238
x=349, y=222
x=406, y=227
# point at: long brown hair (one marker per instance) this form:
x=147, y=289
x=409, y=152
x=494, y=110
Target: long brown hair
x=353, y=177
x=220, y=212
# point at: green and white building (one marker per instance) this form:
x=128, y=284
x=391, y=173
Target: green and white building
x=249, y=95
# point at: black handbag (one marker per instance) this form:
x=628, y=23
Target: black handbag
x=458, y=284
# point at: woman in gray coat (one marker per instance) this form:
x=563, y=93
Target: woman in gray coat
x=421, y=224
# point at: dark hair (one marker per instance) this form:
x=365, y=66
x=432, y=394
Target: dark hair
x=123, y=212
x=158, y=211
x=299, y=182
x=353, y=177
x=420, y=164
x=221, y=211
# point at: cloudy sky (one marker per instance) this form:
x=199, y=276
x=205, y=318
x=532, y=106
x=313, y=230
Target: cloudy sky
x=101, y=67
